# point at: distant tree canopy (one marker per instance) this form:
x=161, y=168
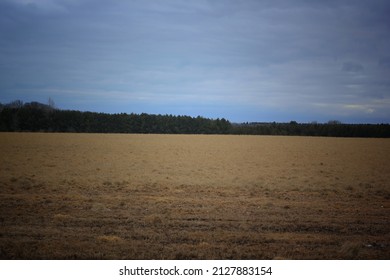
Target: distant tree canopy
x=314, y=129
x=35, y=116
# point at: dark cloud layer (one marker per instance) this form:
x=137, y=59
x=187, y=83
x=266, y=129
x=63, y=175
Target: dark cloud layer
x=352, y=67
x=244, y=60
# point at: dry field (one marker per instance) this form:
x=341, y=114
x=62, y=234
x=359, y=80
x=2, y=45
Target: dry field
x=106, y=196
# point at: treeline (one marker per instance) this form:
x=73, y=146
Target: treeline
x=38, y=117
x=332, y=128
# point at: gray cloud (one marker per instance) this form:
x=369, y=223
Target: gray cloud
x=352, y=67
x=286, y=58
x=384, y=63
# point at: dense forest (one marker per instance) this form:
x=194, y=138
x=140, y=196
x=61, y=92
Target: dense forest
x=38, y=117
x=34, y=116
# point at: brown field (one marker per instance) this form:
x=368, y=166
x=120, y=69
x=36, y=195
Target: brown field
x=106, y=196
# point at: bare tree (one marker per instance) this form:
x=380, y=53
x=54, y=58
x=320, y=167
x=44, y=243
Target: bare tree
x=51, y=103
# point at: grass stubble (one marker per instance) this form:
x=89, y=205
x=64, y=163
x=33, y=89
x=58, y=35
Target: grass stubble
x=106, y=196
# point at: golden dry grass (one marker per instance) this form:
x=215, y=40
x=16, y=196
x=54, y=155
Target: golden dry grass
x=105, y=196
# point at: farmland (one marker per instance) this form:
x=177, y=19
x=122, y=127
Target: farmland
x=133, y=196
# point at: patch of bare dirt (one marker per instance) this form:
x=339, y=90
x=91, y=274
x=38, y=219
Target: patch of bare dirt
x=105, y=196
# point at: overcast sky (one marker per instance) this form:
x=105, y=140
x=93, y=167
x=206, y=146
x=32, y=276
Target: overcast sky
x=248, y=60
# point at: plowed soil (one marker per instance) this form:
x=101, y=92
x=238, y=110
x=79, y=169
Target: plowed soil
x=106, y=196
